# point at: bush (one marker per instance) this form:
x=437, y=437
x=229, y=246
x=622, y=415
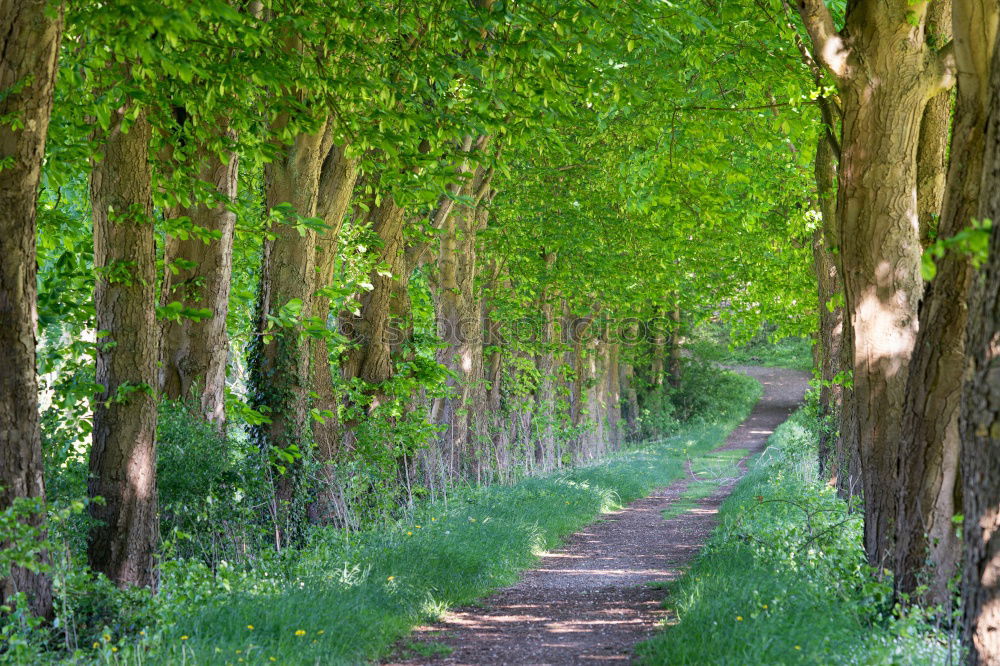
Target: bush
x=705, y=394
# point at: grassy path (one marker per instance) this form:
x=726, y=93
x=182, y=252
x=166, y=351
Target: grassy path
x=597, y=596
x=350, y=598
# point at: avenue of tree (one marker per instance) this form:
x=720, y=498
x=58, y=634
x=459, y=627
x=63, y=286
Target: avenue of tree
x=430, y=243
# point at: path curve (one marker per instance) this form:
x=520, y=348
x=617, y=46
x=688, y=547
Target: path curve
x=588, y=602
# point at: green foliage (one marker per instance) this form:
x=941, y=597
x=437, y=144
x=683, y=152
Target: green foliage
x=973, y=241
x=713, y=342
x=224, y=588
x=352, y=594
x=704, y=393
x=784, y=579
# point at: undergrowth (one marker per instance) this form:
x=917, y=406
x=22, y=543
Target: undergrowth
x=347, y=597
x=712, y=342
x=784, y=578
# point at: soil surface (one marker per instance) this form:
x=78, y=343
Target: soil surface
x=593, y=599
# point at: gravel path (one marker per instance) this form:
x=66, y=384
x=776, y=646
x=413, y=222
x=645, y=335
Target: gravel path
x=588, y=602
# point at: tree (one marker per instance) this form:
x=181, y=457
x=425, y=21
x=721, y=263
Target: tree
x=122, y=543
x=30, y=32
x=885, y=73
x=929, y=489
x=980, y=455
x=198, y=264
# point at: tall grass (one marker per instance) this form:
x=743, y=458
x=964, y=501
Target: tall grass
x=784, y=579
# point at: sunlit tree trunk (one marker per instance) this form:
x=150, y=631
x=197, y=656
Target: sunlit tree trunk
x=337, y=178
x=458, y=312
x=29, y=48
x=123, y=456
x=197, y=274
x=369, y=358
x=886, y=73
x=929, y=495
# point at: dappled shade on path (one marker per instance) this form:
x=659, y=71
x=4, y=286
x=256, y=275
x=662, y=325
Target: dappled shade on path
x=591, y=601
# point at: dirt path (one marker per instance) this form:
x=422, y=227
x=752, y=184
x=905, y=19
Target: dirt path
x=588, y=602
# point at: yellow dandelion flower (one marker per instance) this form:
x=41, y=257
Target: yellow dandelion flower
x=300, y=632
x=106, y=637
x=250, y=627
x=765, y=606
x=797, y=647
x=739, y=618
x=391, y=578
x=272, y=659
x=114, y=649
x=433, y=519
x=409, y=534
x=96, y=645
x=321, y=632
x=184, y=638
x=417, y=526
x=142, y=633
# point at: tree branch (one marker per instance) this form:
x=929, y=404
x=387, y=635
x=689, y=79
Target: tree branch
x=828, y=45
x=942, y=73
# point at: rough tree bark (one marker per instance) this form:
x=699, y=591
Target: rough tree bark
x=370, y=356
x=123, y=456
x=279, y=356
x=29, y=48
x=831, y=314
x=980, y=419
x=337, y=178
x=194, y=353
x=929, y=492
x=886, y=73
x=932, y=150
x=458, y=311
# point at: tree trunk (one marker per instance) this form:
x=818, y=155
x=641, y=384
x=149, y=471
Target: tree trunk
x=881, y=258
x=123, y=457
x=458, y=309
x=337, y=179
x=980, y=420
x=194, y=353
x=932, y=150
x=29, y=47
x=631, y=407
x=279, y=356
x=674, y=367
x=613, y=405
x=831, y=314
x=929, y=494
x=545, y=361
x=886, y=73
x=369, y=358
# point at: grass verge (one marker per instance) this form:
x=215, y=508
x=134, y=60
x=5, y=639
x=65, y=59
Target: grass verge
x=783, y=579
x=348, y=598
